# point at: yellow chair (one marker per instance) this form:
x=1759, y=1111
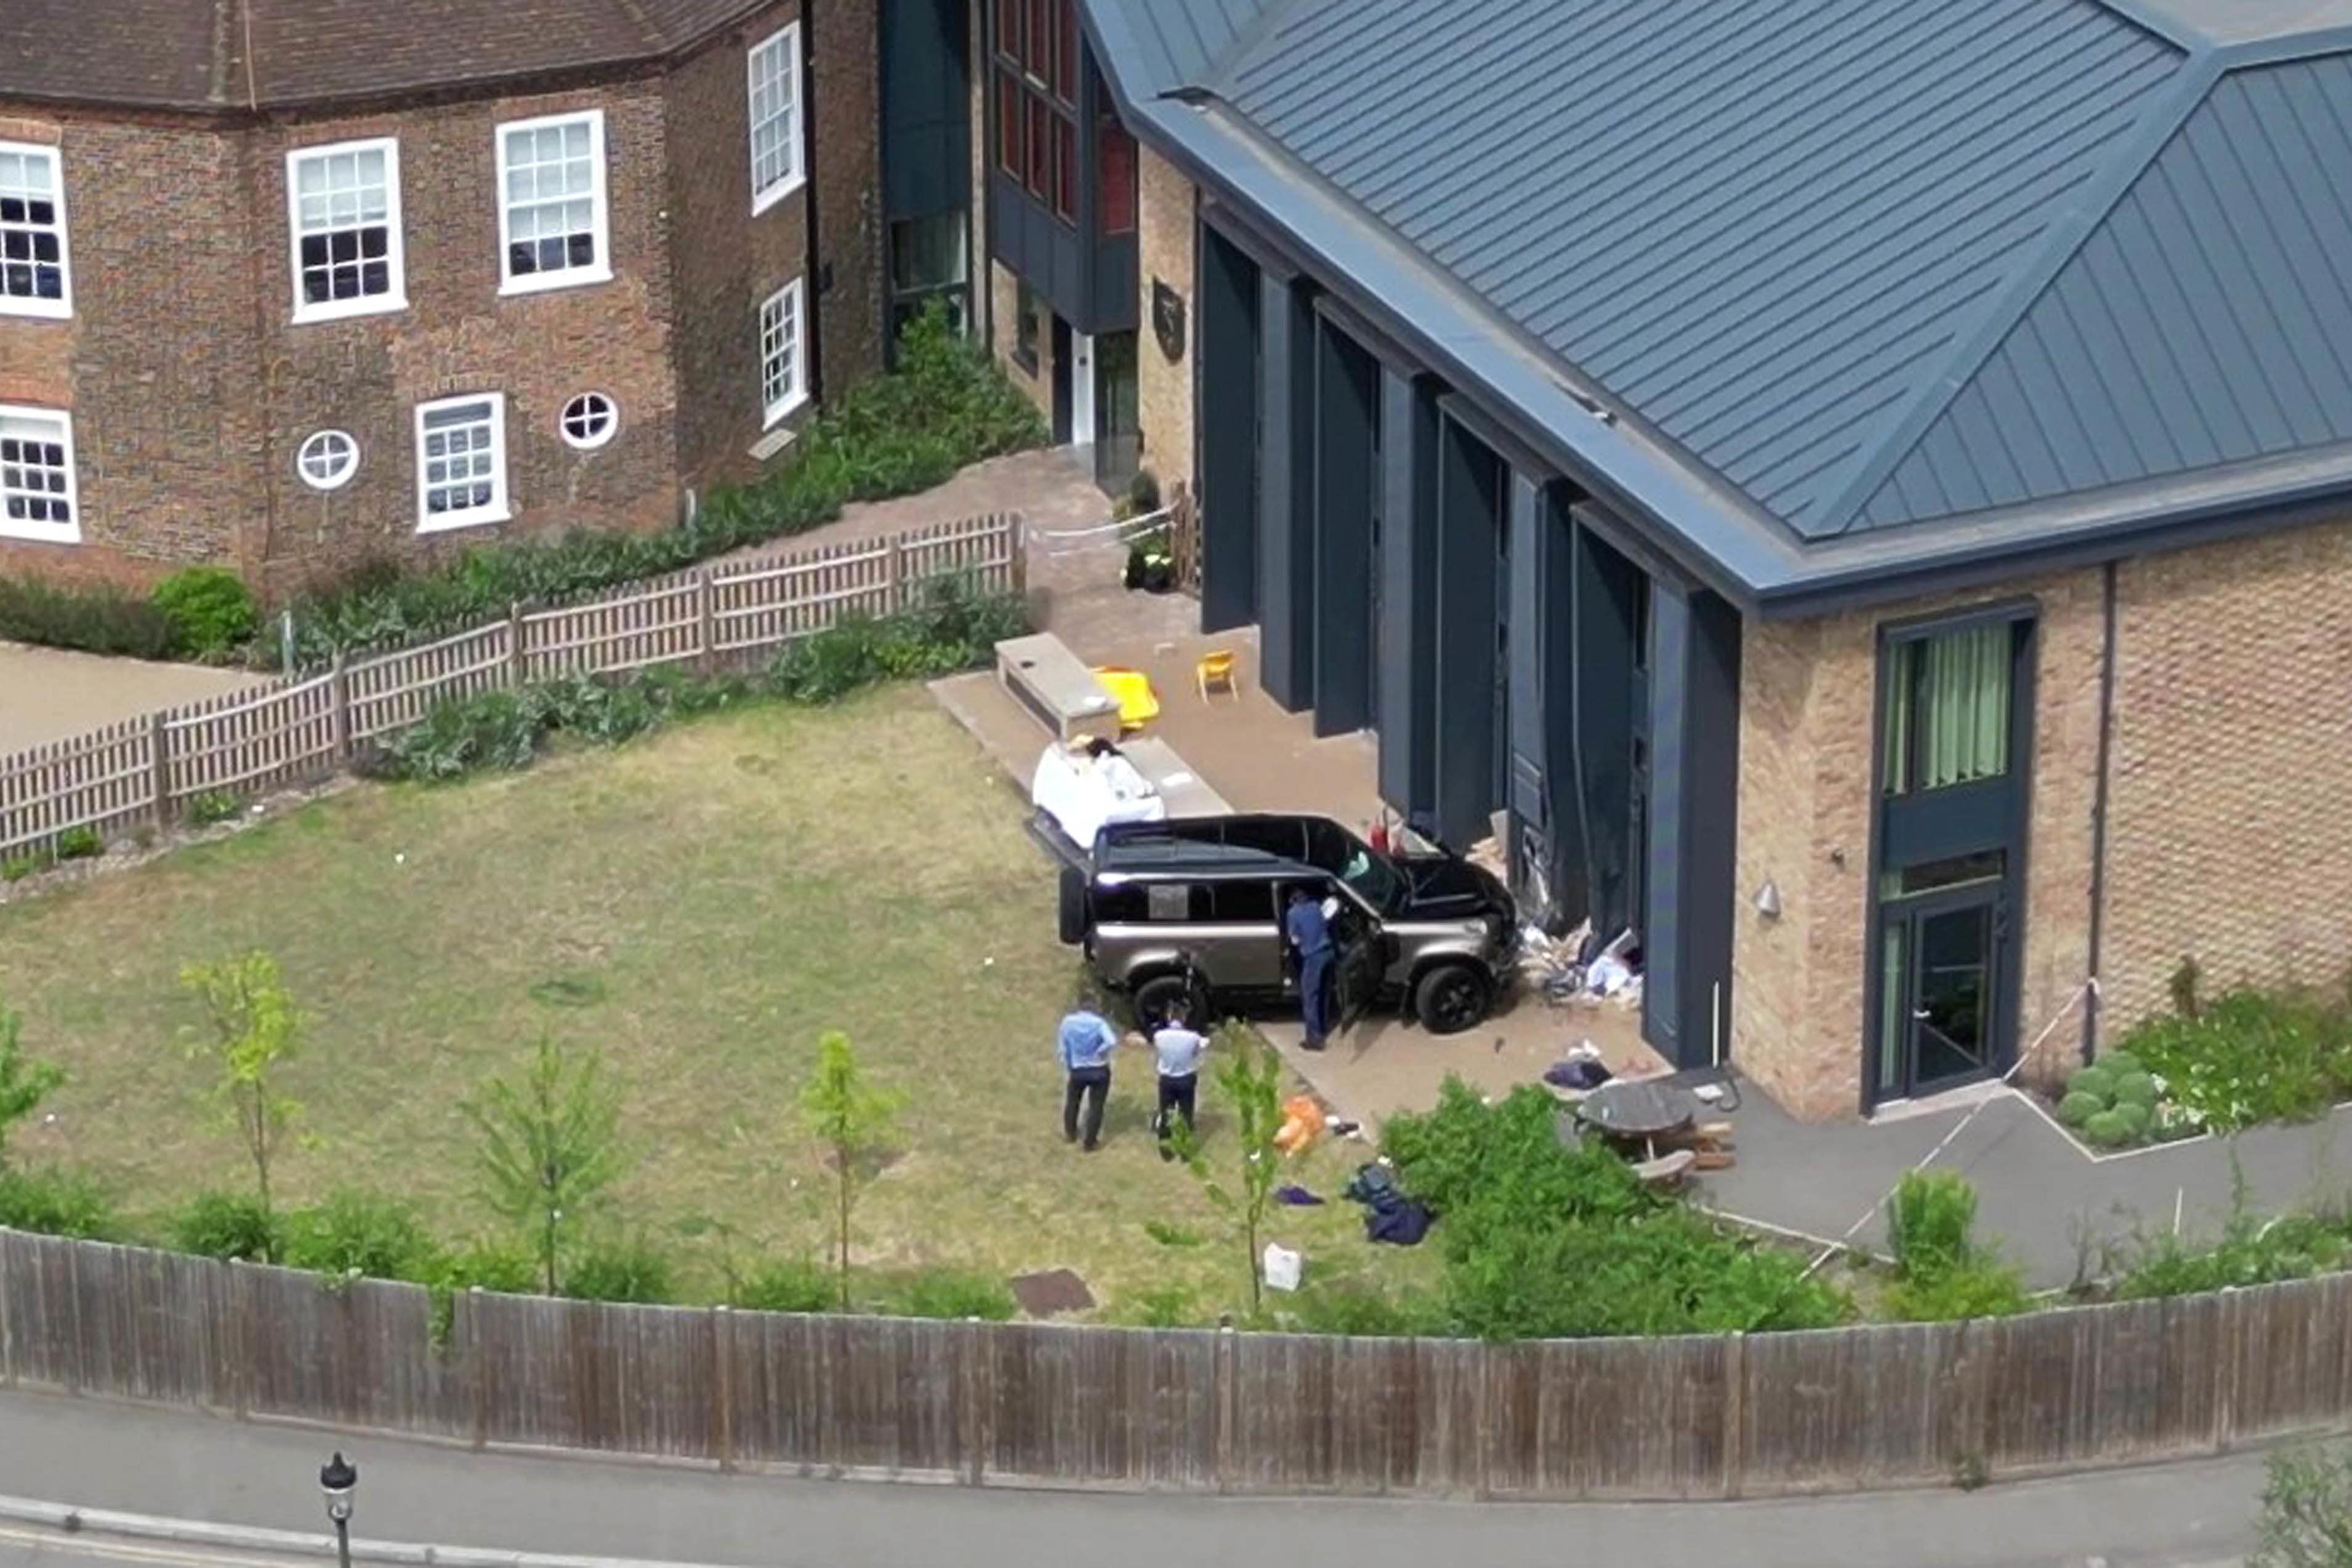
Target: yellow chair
x=1215, y=673
x=1139, y=704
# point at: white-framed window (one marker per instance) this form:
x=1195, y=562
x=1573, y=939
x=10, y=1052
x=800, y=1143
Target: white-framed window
x=37, y=475
x=783, y=367
x=326, y=459
x=461, y=462
x=552, y=223
x=589, y=420
x=34, y=278
x=775, y=101
x=343, y=218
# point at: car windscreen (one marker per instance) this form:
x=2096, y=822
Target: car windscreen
x=1332, y=848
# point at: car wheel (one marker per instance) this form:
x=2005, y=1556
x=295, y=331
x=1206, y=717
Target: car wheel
x=1073, y=910
x=1452, y=997
x=1157, y=996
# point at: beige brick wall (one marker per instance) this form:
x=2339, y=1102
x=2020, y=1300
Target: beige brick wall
x=1004, y=292
x=1166, y=203
x=2226, y=840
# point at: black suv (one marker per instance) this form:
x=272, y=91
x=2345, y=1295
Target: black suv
x=1190, y=911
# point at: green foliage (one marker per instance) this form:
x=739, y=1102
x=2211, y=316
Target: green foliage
x=489, y=731
x=2251, y=1251
x=946, y=405
x=1943, y=1276
x=1542, y=1240
x=23, y=1082
x=1165, y=1306
x=953, y=627
x=252, y=1031
x=549, y=1148
x=56, y=1203
x=210, y=611
x=951, y=1293
x=632, y=1270
x=2306, y=1519
x=79, y=844
x=2078, y=1108
x=2137, y=1120
x=2097, y=1082
x=2120, y=1063
x=1367, y=1314
x=96, y=619
x=17, y=868
x=358, y=1233
x=797, y=1285
x=1981, y=1289
x=2108, y=1130
x=2249, y=1057
x=490, y=1266
x=852, y=1120
x=2136, y=1089
x=229, y=1225
x=214, y=806
x=1169, y=1235
x=1251, y=1082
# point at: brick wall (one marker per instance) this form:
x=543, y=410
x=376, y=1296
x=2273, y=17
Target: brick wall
x=846, y=55
x=1167, y=204
x=1005, y=293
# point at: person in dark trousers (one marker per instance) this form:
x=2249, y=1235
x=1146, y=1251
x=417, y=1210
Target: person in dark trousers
x=1310, y=943
x=1179, y=1049
x=1086, y=1041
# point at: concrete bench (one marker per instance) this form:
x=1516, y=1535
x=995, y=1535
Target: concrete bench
x=1186, y=794
x=1056, y=688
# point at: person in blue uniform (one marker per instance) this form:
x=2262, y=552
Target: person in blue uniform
x=1309, y=936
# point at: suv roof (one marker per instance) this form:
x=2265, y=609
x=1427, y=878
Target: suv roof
x=1205, y=847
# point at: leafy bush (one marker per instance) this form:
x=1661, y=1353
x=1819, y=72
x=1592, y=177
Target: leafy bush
x=1943, y=1275
x=210, y=611
x=2096, y=1081
x=2136, y=1089
x=17, y=868
x=2120, y=1063
x=2248, y=1056
x=490, y=1266
x=2078, y=1108
x=951, y=1293
x=800, y=1285
x=80, y=843
x=2306, y=1519
x=946, y=405
x=377, y=1237
x=98, y=620
x=1981, y=1289
x=1542, y=1240
x=1160, y=1307
x=633, y=1271
x=56, y=1203
x=1368, y=1314
x=2108, y=1130
x=214, y=806
x=492, y=730
x=2251, y=1251
x=229, y=1226
x=2137, y=1120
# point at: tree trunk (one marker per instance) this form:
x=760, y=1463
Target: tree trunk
x=841, y=1170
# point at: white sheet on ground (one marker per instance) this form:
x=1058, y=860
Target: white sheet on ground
x=1082, y=793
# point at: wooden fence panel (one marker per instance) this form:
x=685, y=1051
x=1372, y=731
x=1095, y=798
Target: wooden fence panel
x=867, y=1393
x=104, y=780
x=1607, y=1418
x=147, y=1323
x=2292, y=1351
x=1316, y=1413
x=1850, y=1407
x=1133, y=1406
x=244, y=742
x=355, y=1352
x=44, y=1342
x=979, y=549
x=395, y=690
x=659, y=623
x=584, y=1374
x=2065, y=1386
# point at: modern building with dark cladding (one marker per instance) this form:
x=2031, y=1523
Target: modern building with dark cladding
x=1859, y=494
x=291, y=285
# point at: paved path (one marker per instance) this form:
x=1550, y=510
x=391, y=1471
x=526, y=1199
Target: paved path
x=47, y=694
x=195, y=1467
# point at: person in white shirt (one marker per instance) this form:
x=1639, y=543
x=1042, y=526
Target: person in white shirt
x=1179, y=1048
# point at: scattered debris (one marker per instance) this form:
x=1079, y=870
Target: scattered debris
x=1051, y=1293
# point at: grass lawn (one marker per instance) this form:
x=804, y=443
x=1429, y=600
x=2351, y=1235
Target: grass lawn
x=700, y=906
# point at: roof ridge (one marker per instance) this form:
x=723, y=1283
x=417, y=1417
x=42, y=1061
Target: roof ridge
x=1876, y=461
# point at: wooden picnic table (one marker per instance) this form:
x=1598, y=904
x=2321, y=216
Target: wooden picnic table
x=1639, y=1110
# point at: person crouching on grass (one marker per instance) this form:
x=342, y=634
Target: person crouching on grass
x=1179, y=1048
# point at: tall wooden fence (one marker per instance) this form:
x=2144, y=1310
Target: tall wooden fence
x=148, y=770
x=1187, y=1409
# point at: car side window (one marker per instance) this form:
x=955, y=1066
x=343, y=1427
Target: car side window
x=1241, y=904
x=1123, y=904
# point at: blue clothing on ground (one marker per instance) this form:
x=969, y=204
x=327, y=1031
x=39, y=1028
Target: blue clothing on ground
x=1086, y=1041
x=1307, y=930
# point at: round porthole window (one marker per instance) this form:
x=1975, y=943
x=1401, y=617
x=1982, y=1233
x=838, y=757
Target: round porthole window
x=589, y=420
x=327, y=460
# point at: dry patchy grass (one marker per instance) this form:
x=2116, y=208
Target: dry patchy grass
x=701, y=906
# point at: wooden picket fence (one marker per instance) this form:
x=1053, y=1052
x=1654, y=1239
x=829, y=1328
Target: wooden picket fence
x=147, y=772
x=1720, y=1416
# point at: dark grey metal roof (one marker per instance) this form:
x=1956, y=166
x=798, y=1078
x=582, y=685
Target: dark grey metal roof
x=1169, y=44
x=1809, y=249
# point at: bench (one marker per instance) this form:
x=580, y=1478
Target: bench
x=1184, y=792
x=1057, y=688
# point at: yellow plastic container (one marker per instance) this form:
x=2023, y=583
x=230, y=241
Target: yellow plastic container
x=1139, y=704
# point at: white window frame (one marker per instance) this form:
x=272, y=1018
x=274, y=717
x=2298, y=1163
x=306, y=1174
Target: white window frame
x=61, y=307
x=68, y=532
x=496, y=511
x=775, y=409
x=396, y=250
x=786, y=41
x=602, y=438
x=313, y=481
x=511, y=282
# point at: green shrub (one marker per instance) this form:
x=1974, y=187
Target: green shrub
x=2108, y=1130
x=56, y=1203
x=2251, y=1251
x=2121, y=1063
x=97, y=621
x=214, y=806
x=1169, y=1235
x=1930, y=1221
x=798, y=1285
x=2136, y=1119
x=491, y=1266
x=1160, y=1307
x=210, y=611
x=952, y=1293
x=2136, y=1089
x=1980, y=1289
x=228, y=1225
x=2248, y=1056
x=634, y=1270
x=377, y=1237
x=490, y=731
x=2078, y=1108
x=79, y=844
x=17, y=868
x=2097, y=1082
x=1367, y=1314
x=945, y=406
x=2306, y=1519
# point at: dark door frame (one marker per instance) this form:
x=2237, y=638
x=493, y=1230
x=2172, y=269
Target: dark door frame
x=1991, y=897
x=1062, y=352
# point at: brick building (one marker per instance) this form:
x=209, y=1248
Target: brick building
x=1859, y=500
x=288, y=285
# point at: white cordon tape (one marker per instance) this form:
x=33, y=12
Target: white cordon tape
x=1144, y=524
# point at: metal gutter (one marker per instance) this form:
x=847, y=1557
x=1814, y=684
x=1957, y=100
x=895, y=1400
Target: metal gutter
x=2099, y=808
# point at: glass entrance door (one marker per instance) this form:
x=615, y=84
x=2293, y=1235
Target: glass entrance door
x=1937, y=1026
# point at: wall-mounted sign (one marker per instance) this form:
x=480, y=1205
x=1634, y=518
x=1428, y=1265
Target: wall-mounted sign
x=1168, y=320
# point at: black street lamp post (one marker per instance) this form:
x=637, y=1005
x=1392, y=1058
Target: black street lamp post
x=339, y=1479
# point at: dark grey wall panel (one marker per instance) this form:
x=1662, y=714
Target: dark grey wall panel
x=1287, y=492
x=1530, y=763
x=1226, y=389
x=1470, y=522
x=926, y=107
x=1670, y=651
x=1555, y=593
x=1024, y=234
x=1606, y=592
x=1347, y=442
x=1709, y=897
x=1408, y=570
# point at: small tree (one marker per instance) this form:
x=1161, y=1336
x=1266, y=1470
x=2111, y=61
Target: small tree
x=2306, y=1512
x=549, y=1146
x=852, y=1120
x=24, y=1085
x=1251, y=1080
x=254, y=1030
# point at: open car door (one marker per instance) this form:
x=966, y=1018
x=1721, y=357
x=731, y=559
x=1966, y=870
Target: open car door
x=1362, y=959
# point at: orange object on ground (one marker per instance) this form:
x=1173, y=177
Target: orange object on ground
x=1302, y=1123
